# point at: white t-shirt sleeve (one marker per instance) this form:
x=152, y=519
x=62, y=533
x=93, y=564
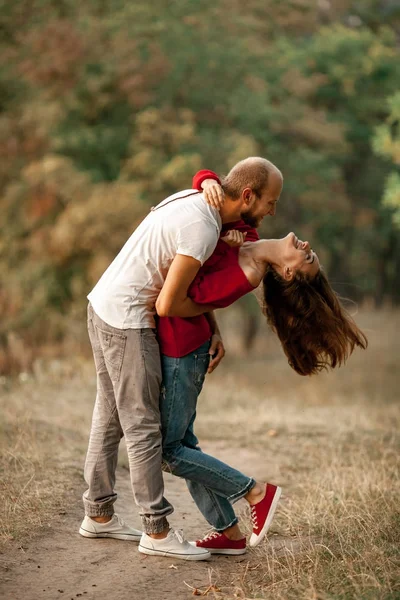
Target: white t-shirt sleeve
x=198, y=240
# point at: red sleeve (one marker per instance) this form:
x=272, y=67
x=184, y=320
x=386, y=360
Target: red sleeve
x=220, y=281
x=202, y=176
x=220, y=288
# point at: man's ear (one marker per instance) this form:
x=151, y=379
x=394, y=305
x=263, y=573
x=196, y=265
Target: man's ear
x=288, y=273
x=247, y=196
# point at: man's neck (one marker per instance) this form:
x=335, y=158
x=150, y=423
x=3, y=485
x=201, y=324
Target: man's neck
x=230, y=211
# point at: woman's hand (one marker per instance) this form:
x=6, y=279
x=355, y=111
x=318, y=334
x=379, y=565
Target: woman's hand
x=217, y=352
x=234, y=238
x=213, y=193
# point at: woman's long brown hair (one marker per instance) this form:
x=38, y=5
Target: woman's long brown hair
x=315, y=331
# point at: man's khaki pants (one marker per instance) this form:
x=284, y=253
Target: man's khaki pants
x=127, y=404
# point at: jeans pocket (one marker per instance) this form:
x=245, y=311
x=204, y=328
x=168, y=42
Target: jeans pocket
x=201, y=365
x=113, y=349
x=96, y=348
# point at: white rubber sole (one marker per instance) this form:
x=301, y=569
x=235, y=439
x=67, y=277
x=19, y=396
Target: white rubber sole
x=114, y=536
x=164, y=553
x=227, y=551
x=256, y=539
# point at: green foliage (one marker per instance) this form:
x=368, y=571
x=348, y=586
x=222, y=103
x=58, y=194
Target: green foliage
x=386, y=143
x=107, y=107
x=391, y=196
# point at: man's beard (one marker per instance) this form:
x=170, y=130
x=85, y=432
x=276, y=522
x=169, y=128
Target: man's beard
x=250, y=219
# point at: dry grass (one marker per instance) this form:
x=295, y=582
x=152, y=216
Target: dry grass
x=331, y=441
x=43, y=434
x=343, y=522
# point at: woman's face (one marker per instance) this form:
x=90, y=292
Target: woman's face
x=297, y=256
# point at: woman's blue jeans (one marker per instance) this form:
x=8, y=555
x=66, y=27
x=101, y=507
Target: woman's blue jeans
x=212, y=484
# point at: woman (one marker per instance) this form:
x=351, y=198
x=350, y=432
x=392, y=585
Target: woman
x=315, y=333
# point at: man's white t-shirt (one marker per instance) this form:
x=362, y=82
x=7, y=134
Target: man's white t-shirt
x=184, y=223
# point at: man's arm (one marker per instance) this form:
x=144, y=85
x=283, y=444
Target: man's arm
x=173, y=300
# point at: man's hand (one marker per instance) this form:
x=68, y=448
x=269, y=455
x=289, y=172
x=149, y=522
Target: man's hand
x=217, y=349
x=213, y=193
x=234, y=238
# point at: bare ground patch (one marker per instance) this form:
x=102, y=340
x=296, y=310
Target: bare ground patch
x=332, y=442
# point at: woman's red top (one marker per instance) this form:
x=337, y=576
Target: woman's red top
x=219, y=282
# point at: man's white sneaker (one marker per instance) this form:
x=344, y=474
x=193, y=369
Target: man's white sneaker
x=116, y=528
x=172, y=546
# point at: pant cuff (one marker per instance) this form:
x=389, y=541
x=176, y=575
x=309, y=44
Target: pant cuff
x=99, y=511
x=245, y=491
x=154, y=524
x=231, y=524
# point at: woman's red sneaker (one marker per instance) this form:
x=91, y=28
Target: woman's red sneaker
x=218, y=543
x=263, y=512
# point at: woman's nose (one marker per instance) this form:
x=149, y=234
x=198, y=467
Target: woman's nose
x=306, y=246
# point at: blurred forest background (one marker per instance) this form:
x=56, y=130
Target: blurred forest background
x=108, y=106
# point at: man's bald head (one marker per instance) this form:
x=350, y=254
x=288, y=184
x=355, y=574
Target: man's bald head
x=252, y=189
x=254, y=173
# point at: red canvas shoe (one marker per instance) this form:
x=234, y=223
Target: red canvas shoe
x=218, y=543
x=262, y=513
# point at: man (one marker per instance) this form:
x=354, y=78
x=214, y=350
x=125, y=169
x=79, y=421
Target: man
x=155, y=267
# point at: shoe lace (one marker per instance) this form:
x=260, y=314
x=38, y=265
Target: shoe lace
x=179, y=535
x=211, y=536
x=253, y=514
x=120, y=521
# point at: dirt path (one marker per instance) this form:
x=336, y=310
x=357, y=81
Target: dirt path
x=62, y=565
